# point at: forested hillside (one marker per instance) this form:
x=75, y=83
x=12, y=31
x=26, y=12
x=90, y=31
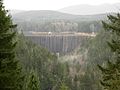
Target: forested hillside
x=26, y=63
x=54, y=21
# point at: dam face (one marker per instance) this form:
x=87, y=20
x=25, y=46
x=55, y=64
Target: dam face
x=58, y=43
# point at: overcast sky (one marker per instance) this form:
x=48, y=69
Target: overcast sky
x=50, y=4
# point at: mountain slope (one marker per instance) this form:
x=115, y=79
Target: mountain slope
x=43, y=14
x=91, y=9
x=16, y=11
x=47, y=15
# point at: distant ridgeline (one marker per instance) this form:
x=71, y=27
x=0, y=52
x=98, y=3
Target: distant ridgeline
x=62, y=42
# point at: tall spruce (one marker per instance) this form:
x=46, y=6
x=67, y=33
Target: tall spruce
x=111, y=72
x=10, y=72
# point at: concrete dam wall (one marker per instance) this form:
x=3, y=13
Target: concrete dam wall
x=58, y=43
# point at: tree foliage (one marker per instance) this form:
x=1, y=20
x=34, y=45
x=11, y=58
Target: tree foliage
x=33, y=82
x=111, y=72
x=64, y=87
x=10, y=71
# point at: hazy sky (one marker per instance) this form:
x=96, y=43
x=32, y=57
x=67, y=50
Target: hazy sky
x=50, y=4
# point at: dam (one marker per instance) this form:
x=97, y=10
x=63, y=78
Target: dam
x=63, y=42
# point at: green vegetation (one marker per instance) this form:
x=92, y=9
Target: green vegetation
x=111, y=72
x=64, y=87
x=11, y=77
x=53, y=21
x=27, y=66
x=33, y=82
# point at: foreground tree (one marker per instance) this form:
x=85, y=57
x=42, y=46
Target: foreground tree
x=10, y=72
x=111, y=72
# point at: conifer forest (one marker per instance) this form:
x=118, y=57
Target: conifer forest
x=54, y=50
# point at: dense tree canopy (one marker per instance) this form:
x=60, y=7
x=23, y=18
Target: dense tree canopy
x=10, y=71
x=111, y=72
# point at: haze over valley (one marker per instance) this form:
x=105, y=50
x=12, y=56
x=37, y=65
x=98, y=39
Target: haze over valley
x=73, y=19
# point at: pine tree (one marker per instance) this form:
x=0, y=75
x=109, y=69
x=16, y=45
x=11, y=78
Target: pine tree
x=10, y=71
x=33, y=81
x=111, y=72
